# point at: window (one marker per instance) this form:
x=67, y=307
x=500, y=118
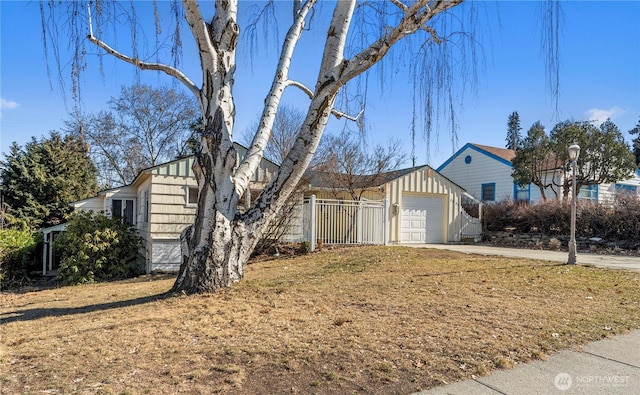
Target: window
x=522, y=194
x=192, y=196
x=488, y=192
x=588, y=192
x=626, y=189
x=123, y=209
x=146, y=207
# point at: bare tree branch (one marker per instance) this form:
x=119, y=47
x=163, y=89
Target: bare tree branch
x=400, y=5
x=272, y=101
x=179, y=75
x=417, y=15
x=338, y=114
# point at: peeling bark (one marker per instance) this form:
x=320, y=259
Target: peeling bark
x=220, y=242
x=217, y=246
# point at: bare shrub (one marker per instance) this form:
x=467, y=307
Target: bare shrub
x=554, y=244
x=618, y=220
x=289, y=216
x=471, y=207
x=501, y=215
x=550, y=217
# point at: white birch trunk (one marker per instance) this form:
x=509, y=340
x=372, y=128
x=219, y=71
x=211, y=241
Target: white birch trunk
x=217, y=246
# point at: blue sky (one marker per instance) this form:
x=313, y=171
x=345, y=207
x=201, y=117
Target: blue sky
x=600, y=78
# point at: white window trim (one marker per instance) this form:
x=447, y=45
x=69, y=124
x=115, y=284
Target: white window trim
x=146, y=206
x=187, y=190
x=122, y=199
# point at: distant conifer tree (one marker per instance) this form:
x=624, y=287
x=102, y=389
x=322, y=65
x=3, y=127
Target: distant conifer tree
x=513, y=131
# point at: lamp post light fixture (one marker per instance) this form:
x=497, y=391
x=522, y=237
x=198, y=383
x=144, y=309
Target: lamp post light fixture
x=574, y=153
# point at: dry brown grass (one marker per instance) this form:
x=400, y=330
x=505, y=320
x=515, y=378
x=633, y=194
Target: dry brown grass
x=371, y=320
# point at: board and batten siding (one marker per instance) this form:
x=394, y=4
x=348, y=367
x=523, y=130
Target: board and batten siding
x=482, y=169
x=425, y=182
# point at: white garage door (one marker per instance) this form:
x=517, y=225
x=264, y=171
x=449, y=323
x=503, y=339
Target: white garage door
x=422, y=219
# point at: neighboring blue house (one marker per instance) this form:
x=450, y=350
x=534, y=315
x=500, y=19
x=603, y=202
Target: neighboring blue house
x=607, y=192
x=485, y=173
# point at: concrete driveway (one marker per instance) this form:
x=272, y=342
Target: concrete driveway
x=586, y=259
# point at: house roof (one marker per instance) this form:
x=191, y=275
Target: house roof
x=239, y=147
x=323, y=179
x=319, y=179
x=502, y=155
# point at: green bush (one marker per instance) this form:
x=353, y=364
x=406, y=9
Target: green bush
x=96, y=248
x=17, y=255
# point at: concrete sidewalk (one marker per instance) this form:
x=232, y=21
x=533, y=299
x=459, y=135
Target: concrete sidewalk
x=608, y=261
x=610, y=366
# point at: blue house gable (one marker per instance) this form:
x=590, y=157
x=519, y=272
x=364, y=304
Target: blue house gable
x=485, y=172
x=491, y=152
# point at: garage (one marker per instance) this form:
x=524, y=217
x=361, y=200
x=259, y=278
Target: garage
x=422, y=219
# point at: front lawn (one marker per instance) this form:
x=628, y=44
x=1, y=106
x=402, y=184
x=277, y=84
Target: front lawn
x=370, y=320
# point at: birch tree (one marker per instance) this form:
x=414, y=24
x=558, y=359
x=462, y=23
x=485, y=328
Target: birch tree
x=217, y=246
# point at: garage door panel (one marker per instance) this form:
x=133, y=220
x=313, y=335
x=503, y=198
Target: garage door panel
x=422, y=219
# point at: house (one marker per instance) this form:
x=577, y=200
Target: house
x=415, y=205
x=420, y=204
x=485, y=173
x=607, y=192
x=161, y=201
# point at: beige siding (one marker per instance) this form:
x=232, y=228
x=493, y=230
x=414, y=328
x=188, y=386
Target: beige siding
x=427, y=182
x=169, y=215
x=144, y=191
x=125, y=192
x=166, y=186
x=92, y=204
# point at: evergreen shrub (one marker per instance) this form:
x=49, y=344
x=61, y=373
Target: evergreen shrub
x=96, y=248
x=17, y=255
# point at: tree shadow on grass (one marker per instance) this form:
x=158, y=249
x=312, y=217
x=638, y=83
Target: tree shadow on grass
x=38, y=313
